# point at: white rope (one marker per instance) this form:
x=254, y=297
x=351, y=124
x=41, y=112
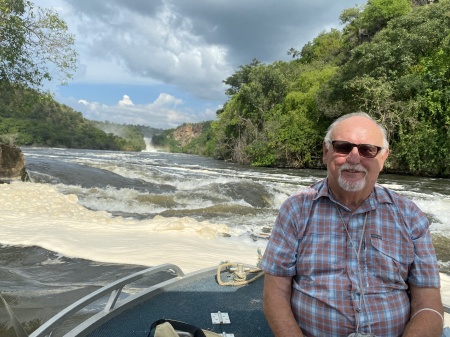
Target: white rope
x=238, y=280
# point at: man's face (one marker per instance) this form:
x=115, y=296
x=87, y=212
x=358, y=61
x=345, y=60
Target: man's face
x=352, y=172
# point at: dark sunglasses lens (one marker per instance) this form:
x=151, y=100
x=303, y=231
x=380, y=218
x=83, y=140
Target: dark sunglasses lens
x=342, y=147
x=368, y=151
x=365, y=150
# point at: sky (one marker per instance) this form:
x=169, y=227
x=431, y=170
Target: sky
x=162, y=63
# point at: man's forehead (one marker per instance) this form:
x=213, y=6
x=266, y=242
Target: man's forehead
x=357, y=127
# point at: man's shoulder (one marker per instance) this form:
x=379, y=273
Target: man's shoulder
x=388, y=195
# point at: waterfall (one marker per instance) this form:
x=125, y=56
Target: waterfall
x=148, y=145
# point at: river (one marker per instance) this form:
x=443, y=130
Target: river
x=90, y=217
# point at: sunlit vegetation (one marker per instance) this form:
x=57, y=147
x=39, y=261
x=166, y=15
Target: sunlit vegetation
x=391, y=60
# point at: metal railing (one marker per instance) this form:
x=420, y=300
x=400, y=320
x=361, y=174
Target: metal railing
x=113, y=290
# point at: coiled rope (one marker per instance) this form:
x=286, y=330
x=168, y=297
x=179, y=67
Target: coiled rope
x=238, y=278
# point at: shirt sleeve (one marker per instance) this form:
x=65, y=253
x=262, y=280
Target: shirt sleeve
x=280, y=256
x=424, y=271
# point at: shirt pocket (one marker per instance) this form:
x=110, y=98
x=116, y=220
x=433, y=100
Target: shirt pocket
x=389, y=261
x=320, y=254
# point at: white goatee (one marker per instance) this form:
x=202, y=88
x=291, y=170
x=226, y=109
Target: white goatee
x=352, y=186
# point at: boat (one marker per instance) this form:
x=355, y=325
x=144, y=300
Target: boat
x=226, y=300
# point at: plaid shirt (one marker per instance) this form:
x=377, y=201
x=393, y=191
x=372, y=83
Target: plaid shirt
x=309, y=242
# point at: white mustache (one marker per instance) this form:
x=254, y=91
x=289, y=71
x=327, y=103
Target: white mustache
x=352, y=167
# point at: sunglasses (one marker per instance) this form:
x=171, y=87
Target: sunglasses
x=364, y=150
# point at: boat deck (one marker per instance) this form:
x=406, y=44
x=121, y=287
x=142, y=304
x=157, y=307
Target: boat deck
x=192, y=300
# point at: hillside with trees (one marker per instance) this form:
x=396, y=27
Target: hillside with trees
x=391, y=60
x=29, y=118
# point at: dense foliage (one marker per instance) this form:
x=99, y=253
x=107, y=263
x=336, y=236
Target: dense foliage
x=391, y=60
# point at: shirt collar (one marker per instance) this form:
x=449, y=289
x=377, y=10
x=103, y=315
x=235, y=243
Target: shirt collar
x=379, y=195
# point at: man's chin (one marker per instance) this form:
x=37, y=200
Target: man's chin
x=352, y=186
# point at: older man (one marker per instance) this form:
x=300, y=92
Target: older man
x=348, y=256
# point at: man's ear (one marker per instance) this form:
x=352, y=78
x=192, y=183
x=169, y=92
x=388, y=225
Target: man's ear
x=325, y=152
x=383, y=157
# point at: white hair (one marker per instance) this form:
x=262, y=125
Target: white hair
x=330, y=129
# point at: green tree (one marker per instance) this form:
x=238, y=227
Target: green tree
x=296, y=129
x=240, y=77
x=401, y=78
x=378, y=13
x=364, y=22
x=325, y=47
x=34, y=44
x=256, y=90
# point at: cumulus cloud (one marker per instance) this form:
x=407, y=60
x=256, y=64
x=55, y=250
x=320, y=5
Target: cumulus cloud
x=126, y=101
x=164, y=112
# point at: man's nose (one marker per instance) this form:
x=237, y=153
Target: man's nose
x=354, y=156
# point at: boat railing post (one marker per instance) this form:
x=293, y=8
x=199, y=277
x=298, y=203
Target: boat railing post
x=112, y=299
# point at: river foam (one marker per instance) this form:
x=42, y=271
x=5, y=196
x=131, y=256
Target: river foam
x=37, y=214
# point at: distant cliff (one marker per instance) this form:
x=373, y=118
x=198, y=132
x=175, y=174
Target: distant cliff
x=187, y=132
x=187, y=138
